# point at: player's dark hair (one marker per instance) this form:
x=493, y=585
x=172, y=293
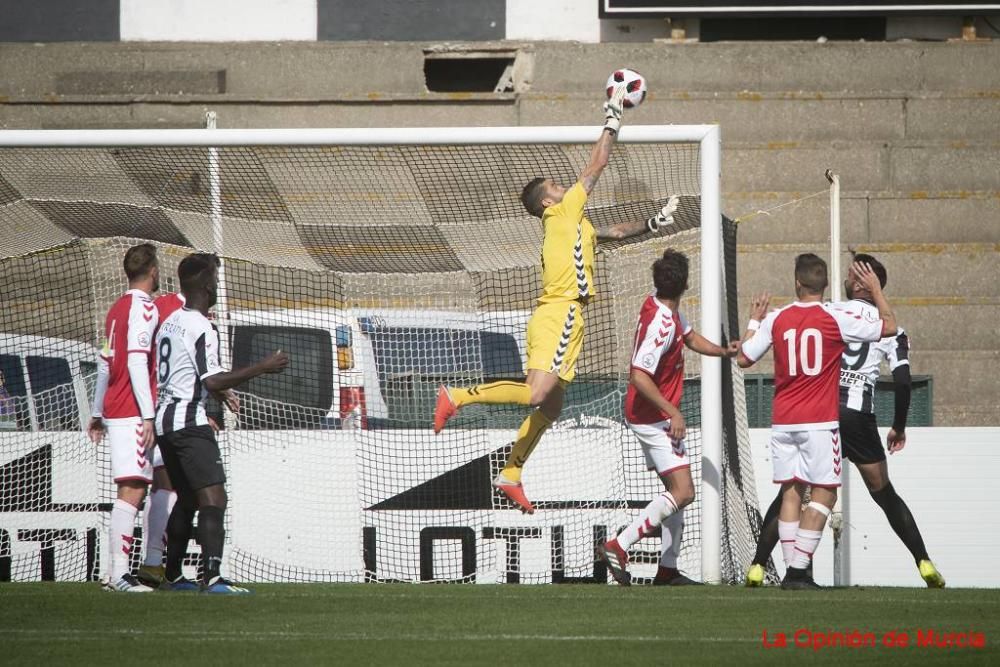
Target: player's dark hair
x=876, y=265
x=532, y=196
x=670, y=274
x=139, y=261
x=196, y=270
x=810, y=271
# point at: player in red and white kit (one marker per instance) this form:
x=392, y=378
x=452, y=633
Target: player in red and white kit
x=652, y=410
x=124, y=403
x=809, y=338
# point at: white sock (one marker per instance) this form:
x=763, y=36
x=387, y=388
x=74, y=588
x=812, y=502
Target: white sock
x=672, y=528
x=806, y=542
x=120, y=537
x=158, y=508
x=651, y=516
x=786, y=533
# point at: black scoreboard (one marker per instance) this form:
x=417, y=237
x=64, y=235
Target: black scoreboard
x=663, y=8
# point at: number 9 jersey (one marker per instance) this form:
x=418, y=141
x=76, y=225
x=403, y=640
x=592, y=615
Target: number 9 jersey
x=809, y=339
x=187, y=348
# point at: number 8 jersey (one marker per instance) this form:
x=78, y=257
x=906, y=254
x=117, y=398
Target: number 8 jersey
x=187, y=348
x=809, y=339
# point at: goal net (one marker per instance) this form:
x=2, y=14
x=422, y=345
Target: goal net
x=385, y=263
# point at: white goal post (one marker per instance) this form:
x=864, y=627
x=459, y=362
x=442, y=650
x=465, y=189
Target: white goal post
x=707, y=137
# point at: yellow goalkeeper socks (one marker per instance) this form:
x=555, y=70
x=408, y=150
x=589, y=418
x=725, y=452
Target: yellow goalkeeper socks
x=517, y=393
x=528, y=436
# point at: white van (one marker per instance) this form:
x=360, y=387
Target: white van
x=366, y=368
x=373, y=367
x=44, y=383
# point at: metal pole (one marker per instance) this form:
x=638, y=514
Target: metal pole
x=838, y=519
x=215, y=216
x=711, y=367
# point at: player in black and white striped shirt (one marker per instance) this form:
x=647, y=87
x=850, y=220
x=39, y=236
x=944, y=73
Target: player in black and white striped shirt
x=188, y=369
x=859, y=370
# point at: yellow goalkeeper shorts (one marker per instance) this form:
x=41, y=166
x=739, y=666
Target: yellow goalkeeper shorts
x=555, y=338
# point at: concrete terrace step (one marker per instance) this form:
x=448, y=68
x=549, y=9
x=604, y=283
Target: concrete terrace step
x=905, y=166
x=745, y=117
x=183, y=112
x=865, y=217
x=775, y=66
x=791, y=116
x=268, y=69
x=965, y=272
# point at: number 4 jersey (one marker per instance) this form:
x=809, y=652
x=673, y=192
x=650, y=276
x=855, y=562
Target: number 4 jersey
x=809, y=339
x=187, y=348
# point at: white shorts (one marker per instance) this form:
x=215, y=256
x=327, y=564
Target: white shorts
x=812, y=457
x=157, y=458
x=662, y=454
x=128, y=456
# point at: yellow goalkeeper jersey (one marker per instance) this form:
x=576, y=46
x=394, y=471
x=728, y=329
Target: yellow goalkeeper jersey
x=568, y=243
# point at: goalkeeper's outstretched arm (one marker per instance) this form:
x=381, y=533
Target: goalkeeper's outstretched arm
x=624, y=230
x=613, y=109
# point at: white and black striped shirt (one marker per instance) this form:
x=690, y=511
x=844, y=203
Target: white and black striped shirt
x=860, y=365
x=187, y=347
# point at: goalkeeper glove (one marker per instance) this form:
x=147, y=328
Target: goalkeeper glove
x=665, y=216
x=613, y=109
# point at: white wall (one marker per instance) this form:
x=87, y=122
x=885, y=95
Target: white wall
x=947, y=476
x=218, y=20
x=553, y=20
x=575, y=20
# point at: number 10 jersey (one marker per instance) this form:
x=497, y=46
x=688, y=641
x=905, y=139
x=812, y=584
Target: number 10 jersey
x=809, y=339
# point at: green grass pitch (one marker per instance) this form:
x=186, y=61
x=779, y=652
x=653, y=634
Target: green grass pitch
x=399, y=624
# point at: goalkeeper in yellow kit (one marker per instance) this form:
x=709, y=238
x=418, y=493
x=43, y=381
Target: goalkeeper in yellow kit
x=555, y=330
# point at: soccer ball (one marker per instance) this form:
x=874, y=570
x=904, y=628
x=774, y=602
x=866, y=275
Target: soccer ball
x=635, y=86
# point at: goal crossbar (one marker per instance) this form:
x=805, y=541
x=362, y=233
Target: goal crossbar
x=351, y=136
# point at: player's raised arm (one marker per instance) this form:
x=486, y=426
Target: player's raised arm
x=696, y=342
x=602, y=149
x=222, y=381
x=757, y=338
x=624, y=230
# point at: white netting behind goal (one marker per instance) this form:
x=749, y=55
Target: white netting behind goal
x=384, y=271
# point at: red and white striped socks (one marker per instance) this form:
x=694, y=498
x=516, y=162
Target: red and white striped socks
x=651, y=516
x=120, y=537
x=806, y=541
x=786, y=534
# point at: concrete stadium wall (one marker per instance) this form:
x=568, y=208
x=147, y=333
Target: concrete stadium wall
x=912, y=128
